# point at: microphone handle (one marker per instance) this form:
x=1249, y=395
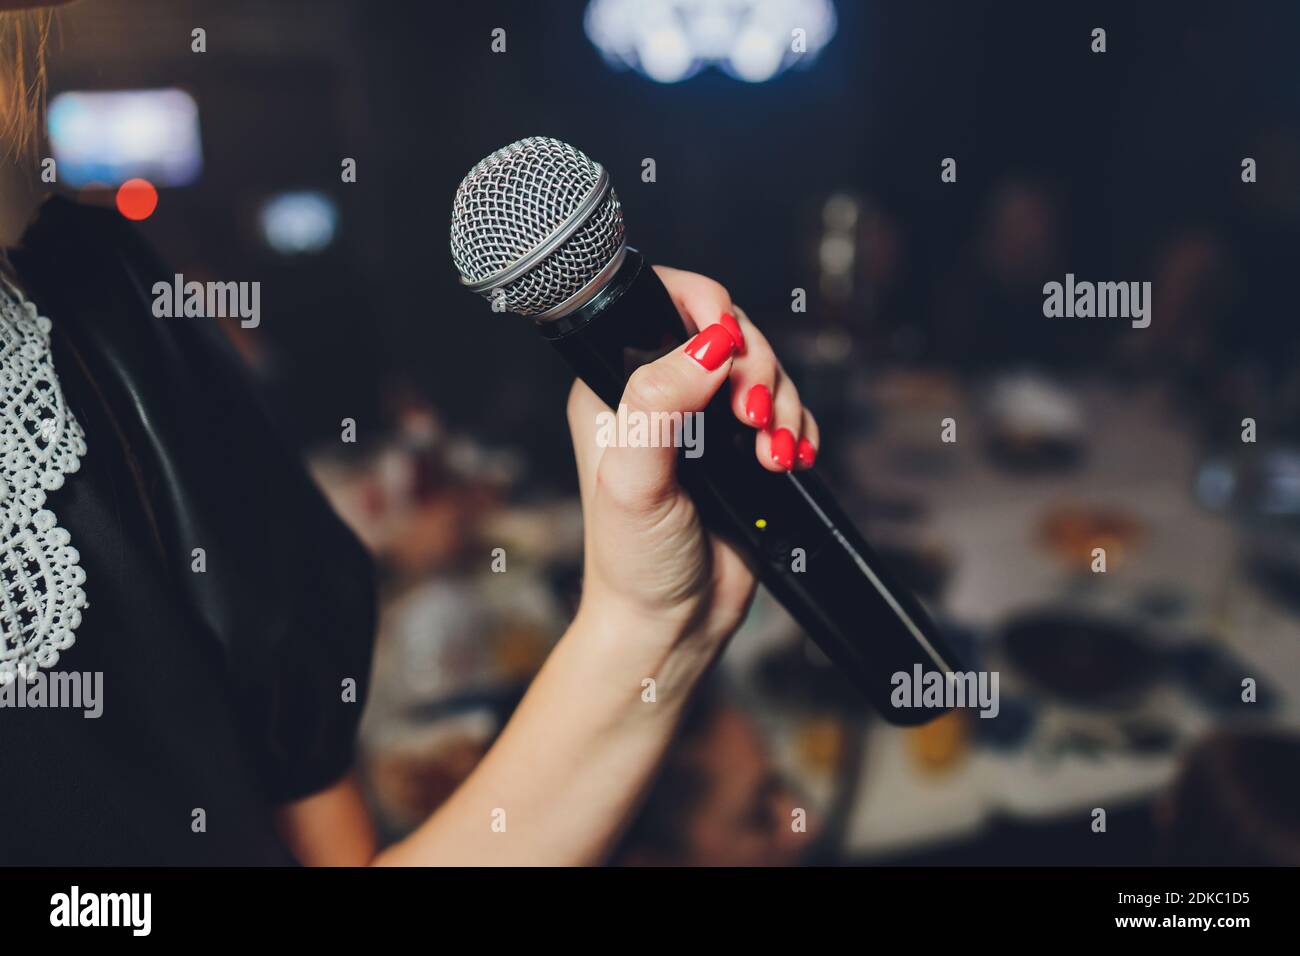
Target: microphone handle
x=843, y=597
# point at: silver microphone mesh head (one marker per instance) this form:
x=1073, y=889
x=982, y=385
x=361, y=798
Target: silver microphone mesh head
x=535, y=223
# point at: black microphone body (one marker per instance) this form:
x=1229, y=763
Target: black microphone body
x=843, y=597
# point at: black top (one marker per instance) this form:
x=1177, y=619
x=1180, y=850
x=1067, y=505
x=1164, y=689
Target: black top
x=223, y=691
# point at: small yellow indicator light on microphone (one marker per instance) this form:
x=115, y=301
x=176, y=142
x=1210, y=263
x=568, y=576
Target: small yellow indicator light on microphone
x=760, y=524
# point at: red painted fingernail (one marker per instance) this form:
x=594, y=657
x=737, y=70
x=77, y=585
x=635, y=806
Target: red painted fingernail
x=712, y=347
x=807, y=453
x=728, y=321
x=758, y=406
x=783, y=448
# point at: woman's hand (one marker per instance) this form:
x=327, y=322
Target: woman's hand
x=659, y=598
x=647, y=556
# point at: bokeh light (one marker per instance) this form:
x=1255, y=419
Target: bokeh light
x=672, y=40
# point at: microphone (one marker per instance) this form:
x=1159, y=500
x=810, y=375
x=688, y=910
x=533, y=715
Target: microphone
x=537, y=229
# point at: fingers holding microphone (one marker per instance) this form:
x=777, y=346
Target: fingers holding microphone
x=679, y=383
x=764, y=397
x=726, y=347
x=762, y=394
x=641, y=475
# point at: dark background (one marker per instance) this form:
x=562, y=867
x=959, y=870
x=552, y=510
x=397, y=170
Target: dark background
x=1134, y=146
x=1122, y=166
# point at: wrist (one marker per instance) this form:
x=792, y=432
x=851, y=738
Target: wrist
x=634, y=642
x=606, y=611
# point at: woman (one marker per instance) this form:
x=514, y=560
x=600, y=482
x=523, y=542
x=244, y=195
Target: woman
x=161, y=536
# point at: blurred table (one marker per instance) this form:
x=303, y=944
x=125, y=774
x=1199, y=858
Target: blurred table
x=1140, y=460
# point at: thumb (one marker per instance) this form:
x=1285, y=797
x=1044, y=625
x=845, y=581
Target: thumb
x=640, y=475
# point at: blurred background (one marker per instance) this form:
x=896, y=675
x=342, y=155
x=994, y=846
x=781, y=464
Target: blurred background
x=1120, y=689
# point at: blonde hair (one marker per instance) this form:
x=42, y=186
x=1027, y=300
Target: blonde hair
x=23, y=38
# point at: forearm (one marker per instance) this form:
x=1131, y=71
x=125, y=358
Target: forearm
x=569, y=769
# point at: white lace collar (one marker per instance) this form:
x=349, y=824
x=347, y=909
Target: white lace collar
x=41, y=594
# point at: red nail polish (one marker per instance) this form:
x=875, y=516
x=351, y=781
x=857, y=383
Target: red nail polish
x=783, y=448
x=711, y=347
x=729, y=322
x=758, y=406
x=807, y=453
